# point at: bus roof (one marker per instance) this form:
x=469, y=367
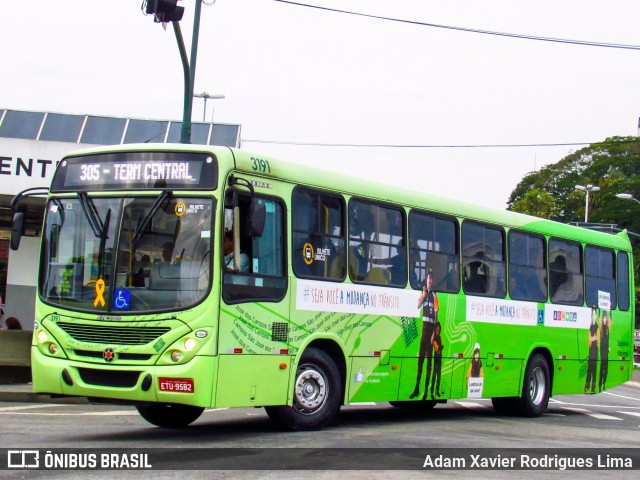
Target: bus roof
x=409, y=196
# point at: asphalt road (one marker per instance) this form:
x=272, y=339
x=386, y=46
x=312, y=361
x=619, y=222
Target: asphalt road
x=605, y=422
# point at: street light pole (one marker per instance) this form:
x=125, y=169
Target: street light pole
x=627, y=196
x=206, y=96
x=189, y=70
x=588, y=189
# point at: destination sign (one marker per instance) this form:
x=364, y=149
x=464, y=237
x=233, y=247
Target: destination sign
x=136, y=170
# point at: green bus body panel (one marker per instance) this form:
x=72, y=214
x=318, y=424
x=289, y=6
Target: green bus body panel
x=251, y=352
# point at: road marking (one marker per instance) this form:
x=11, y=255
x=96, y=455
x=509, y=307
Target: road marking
x=548, y=414
x=559, y=402
x=471, y=405
x=29, y=407
x=112, y=413
x=635, y=414
x=621, y=396
x=71, y=414
x=599, y=416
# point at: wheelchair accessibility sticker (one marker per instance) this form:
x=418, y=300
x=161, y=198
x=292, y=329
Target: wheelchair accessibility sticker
x=122, y=299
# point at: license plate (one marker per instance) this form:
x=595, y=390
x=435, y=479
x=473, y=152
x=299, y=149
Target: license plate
x=184, y=385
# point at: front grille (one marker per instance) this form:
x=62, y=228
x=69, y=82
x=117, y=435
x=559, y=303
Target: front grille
x=133, y=356
x=109, y=378
x=88, y=353
x=121, y=356
x=112, y=335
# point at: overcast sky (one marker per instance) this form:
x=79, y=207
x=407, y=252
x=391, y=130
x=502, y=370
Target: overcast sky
x=297, y=74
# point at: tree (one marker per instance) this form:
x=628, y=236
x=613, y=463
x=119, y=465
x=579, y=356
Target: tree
x=537, y=202
x=613, y=165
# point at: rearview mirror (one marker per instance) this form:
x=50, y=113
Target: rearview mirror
x=16, y=230
x=256, y=218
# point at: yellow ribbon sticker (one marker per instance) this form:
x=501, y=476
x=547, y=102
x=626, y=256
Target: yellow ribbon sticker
x=99, y=294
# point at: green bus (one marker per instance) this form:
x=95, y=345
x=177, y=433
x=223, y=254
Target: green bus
x=177, y=278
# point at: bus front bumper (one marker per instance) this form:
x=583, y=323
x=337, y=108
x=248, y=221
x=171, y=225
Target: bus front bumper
x=190, y=383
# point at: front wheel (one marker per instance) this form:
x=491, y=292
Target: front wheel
x=537, y=385
x=170, y=415
x=316, y=394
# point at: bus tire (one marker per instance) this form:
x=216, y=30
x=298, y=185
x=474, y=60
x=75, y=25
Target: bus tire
x=536, y=387
x=421, y=405
x=316, y=394
x=170, y=415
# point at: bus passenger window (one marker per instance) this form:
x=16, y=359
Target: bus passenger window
x=600, y=275
x=565, y=272
x=527, y=272
x=377, y=251
x=623, y=281
x=434, y=248
x=318, y=247
x=484, y=269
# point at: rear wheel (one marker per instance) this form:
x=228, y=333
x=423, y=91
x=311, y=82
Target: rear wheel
x=316, y=394
x=170, y=415
x=537, y=385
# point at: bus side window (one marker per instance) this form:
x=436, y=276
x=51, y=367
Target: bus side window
x=600, y=275
x=377, y=244
x=318, y=246
x=434, y=249
x=484, y=266
x=259, y=272
x=565, y=272
x=527, y=271
x=623, y=281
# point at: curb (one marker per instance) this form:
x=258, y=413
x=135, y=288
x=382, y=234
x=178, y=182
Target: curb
x=29, y=397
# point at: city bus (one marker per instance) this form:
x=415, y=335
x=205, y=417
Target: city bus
x=176, y=278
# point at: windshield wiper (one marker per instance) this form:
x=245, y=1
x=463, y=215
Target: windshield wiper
x=142, y=226
x=100, y=228
x=90, y=211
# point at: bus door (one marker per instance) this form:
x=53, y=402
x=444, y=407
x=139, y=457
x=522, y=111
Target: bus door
x=254, y=327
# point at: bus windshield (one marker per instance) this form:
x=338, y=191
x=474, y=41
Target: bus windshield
x=126, y=255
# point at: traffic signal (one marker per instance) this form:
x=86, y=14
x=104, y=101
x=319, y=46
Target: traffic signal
x=165, y=10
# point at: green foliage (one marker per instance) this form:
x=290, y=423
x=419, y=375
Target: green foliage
x=537, y=202
x=613, y=165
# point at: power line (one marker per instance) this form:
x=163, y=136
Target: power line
x=586, y=43
x=390, y=145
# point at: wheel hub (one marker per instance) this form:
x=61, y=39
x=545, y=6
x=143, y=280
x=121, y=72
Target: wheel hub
x=310, y=391
x=537, y=387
